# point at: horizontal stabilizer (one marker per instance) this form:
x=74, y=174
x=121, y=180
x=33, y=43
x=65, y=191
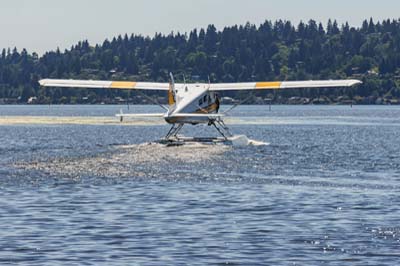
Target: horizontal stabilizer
x=197, y=115
x=140, y=115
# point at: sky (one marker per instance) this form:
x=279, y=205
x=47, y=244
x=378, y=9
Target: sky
x=44, y=25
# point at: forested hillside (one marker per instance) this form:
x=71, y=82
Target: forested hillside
x=272, y=51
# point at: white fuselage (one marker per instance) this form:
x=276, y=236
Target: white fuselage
x=192, y=99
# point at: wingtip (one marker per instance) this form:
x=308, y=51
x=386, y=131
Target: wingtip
x=42, y=82
x=354, y=82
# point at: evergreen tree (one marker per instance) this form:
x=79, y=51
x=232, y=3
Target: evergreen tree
x=270, y=51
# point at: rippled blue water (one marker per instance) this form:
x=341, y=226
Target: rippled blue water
x=325, y=192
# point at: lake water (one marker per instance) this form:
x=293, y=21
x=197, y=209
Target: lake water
x=324, y=192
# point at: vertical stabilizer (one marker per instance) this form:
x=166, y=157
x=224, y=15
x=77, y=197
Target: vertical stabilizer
x=171, y=92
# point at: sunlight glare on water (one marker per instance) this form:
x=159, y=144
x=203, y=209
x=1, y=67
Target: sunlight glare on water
x=324, y=192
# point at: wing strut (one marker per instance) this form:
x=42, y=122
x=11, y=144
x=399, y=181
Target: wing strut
x=153, y=101
x=239, y=103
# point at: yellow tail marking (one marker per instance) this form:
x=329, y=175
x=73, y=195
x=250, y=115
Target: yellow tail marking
x=171, y=100
x=123, y=85
x=268, y=85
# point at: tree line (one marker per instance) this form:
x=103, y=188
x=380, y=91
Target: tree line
x=276, y=50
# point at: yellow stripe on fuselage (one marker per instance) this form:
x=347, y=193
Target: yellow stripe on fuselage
x=268, y=85
x=208, y=109
x=122, y=85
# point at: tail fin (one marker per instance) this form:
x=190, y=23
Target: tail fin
x=171, y=92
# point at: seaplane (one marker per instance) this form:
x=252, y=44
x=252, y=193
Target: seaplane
x=193, y=103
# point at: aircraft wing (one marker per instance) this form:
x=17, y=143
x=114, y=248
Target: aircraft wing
x=197, y=115
x=278, y=85
x=128, y=85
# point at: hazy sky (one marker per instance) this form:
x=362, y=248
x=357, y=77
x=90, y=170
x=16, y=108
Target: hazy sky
x=41, y=25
